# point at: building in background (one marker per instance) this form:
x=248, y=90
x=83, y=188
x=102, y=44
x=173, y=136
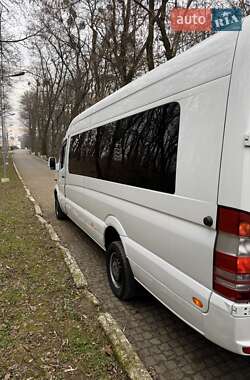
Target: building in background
x=13, y=138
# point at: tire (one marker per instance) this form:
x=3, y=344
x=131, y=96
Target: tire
x=58, y=211
x=119, y=272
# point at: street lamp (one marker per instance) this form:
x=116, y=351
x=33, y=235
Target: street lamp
x=8, y=113
x=15, y=74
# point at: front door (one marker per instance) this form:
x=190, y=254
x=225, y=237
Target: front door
x=61, y=176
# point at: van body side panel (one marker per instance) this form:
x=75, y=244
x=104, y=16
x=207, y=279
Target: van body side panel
x=200, y=142
x=235, y=169
x=169, y=247
x=168, y=228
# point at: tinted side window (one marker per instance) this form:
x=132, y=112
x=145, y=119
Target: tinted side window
x=139, y=150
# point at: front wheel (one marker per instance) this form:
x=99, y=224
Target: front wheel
x=120, y=275
x=58, y=211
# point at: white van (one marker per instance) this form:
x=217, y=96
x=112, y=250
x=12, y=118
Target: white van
x=158, y=174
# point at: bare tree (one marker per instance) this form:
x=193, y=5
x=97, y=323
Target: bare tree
x=87, y=49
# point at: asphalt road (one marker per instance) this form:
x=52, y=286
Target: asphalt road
x=169, y=348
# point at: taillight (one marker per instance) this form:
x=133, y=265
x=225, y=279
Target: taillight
x=232, y=255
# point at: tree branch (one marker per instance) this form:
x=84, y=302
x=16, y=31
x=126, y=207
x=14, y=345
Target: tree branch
x=21, y=39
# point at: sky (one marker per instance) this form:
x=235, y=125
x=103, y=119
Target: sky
x=20, y=85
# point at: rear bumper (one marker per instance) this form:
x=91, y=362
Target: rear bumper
x=225, y=329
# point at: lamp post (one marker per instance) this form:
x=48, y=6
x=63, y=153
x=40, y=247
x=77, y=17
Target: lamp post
x=5, y=149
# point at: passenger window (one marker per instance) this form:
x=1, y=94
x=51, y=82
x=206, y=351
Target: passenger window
x=62, y=155
x=139, y=150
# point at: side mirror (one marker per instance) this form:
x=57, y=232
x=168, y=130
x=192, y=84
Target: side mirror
x=52, y=163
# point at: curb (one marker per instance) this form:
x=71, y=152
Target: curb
x=78, y=277
x=125, y=354
x=123, y=349
x=40, y=157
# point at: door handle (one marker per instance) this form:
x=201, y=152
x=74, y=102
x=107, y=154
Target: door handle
x=63, y=176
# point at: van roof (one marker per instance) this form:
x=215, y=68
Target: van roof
x=204, y=62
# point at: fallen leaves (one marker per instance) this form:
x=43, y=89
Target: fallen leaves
x=108, y=350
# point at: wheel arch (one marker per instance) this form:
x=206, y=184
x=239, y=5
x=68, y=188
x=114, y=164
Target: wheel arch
x=56, y=192
x=113, y=231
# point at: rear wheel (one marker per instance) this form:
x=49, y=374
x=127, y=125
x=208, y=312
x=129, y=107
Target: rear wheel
x=59, y=213
x=120, y=275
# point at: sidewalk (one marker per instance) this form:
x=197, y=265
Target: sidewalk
x=48, y=330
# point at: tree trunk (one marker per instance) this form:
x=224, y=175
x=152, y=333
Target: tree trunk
x=150, y=39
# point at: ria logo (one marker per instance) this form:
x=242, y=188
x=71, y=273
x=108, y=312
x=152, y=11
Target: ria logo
x=206, y=19
x=226, y=19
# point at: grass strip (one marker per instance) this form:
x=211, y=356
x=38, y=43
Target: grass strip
x=48, y=329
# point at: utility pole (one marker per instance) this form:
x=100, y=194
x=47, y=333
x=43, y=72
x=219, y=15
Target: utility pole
x=5, y=148
x=4, y=140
